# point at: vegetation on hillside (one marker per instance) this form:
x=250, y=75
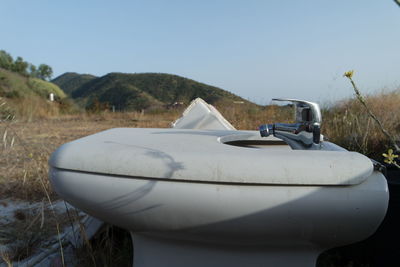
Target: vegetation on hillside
x=19, y=65
x=27, y=97
x=14, y=85
x=25, y=89
x=144, y=91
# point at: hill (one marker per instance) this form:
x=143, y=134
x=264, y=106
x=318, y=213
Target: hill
x=27, y=97
x=15, y=85
x=70, y=81
x=139, y=91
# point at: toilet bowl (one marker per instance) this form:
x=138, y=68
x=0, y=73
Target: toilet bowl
x=193, y=197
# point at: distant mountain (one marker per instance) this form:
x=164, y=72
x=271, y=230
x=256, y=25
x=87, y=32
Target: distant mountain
x=70, y=81
x=139, y=91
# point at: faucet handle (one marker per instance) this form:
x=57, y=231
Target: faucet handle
x=305, y=111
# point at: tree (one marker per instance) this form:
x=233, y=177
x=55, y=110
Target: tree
x=20, y=66
x=6, y=60
x=25, y=68
x=45, y=71
x=33, y=71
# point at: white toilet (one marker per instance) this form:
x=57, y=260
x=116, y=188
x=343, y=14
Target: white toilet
x=193, y=197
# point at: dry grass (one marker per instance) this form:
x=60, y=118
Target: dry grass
x=32, y=108
x=245, y=117
x=30, y=230
x=348, y=125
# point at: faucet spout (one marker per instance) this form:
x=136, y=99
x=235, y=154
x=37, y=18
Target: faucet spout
x=305, y=131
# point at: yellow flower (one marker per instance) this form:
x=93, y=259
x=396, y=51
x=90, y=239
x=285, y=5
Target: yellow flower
x=349, y=74
x=390, y=157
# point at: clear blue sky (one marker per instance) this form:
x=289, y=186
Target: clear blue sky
x=256, y=49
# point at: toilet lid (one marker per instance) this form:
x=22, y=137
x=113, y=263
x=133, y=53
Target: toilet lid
x=205, y=156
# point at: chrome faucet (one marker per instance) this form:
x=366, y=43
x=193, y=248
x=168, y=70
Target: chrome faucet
x=305, y=132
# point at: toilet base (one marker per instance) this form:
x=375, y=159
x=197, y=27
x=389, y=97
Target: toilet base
x=150, y=251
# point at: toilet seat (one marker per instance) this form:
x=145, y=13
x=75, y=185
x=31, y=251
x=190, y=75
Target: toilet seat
x=205, y=156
